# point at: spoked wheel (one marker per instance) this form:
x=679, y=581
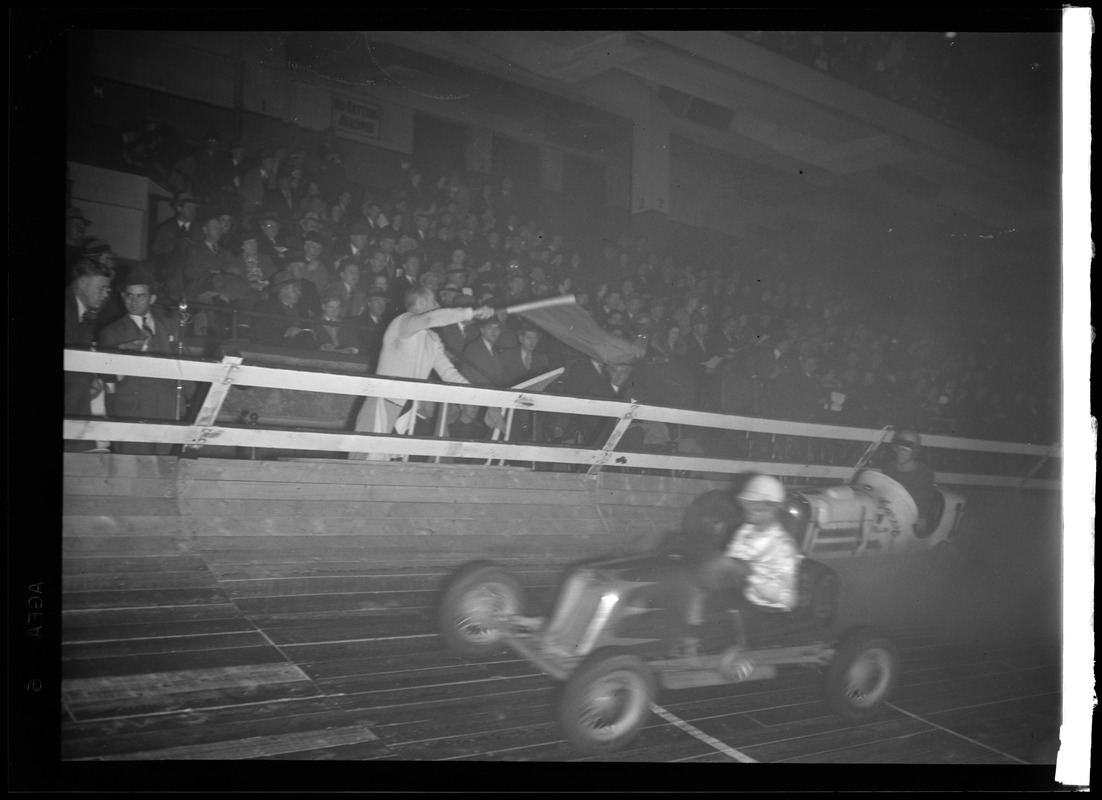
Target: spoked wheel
x=861, y=675
x=605, y=702
x=474, y=605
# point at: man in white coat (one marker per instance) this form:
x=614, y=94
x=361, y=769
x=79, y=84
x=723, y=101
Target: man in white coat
x=411, y=349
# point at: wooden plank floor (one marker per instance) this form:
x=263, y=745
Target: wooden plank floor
x=188, y=657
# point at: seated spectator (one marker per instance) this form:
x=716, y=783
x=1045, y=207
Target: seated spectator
x=520, y=364
x=347, y=288
x=144, y=329
x=371, y=325
x=481, y=364
x=211, y=271
x=89, y=287
x=231, y=232
x=282, y=320
x=316, y=272
x=256, y=267
x=270, y=241
x=311, y=298
x=332, y=335
x=798, y=393
x=356, y=248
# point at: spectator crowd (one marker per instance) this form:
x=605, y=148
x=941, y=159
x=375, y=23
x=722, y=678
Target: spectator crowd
x=277, y=248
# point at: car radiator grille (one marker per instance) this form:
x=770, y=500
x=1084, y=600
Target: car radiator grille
x=574, y=613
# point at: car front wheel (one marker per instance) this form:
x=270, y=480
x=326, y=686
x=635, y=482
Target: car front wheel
x=474, y=606
x=605, y=702
x=861, y=675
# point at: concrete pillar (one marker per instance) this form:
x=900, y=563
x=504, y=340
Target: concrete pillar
x=650, y=173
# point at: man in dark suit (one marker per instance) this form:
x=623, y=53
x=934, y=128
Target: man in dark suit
x=347, y=288
x=519, y=364
x=585, y=377
x=372, y=325
x=356, y=249
x=334, y=334
x=88, y=290
x=480, y=363
x=173, y=239
x=408, y=277
x=144, y=329
x=281, y=200
x=205, y=261
x=282, y=320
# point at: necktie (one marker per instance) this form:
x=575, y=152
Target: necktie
x=147, y=327
x=527, y=358
x=88, y=316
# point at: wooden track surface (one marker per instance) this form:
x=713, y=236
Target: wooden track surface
x=200, y=656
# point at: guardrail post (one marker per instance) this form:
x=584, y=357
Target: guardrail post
x=614, y=438
x=216, y=396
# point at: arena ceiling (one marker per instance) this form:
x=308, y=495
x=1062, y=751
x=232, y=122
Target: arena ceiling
x=798, y=139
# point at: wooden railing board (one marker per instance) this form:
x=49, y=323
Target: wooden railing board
x=119, y=487
x=74, y=544
x=100, y=506
x=96, y=465
x=92, y=565
x=129, y=526
x=198, y=508
x=380, y=473
x=368, y=493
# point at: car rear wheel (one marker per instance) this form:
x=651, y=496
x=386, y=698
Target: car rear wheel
x=474, y=606
x=861, y=675
x=605, y=702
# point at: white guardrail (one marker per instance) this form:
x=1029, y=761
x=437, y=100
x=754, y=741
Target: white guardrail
x=231, y=371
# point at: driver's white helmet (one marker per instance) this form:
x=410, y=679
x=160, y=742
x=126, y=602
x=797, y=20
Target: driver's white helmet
x=763, y=488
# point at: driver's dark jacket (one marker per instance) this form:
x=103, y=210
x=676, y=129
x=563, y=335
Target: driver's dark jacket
x=919, y=483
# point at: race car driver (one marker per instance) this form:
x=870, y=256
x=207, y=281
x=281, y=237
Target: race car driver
x=913, y=475
x=761, y=557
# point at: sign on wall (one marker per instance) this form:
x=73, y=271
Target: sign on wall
x=356, y=118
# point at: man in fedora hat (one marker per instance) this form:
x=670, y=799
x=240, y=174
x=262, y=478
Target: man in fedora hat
x=144, y=328
x=356, y=248
x=282, y=320
x=172, y=240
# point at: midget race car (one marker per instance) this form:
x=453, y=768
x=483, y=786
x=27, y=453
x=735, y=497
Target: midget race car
x=872, y=515
x=616, y=632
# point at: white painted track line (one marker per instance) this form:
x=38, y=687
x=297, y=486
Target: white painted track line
x=711, y=741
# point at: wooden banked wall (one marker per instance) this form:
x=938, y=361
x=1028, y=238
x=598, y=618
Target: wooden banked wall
x=224, y=511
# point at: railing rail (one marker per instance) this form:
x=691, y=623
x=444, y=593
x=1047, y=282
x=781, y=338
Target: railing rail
x=232, y=371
